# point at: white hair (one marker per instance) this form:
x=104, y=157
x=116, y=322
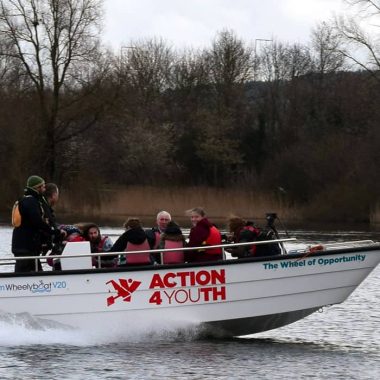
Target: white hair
x=163, y=213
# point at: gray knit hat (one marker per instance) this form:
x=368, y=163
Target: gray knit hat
x=34, y=181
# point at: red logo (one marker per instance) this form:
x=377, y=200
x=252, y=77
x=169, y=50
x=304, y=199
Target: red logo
x=124, y=289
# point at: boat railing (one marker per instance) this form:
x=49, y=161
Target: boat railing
x=349, y=244
x=43, y=259
x=335, y=246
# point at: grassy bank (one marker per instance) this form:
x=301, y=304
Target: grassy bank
x=118, y=204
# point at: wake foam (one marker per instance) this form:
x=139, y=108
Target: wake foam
x=22, y=329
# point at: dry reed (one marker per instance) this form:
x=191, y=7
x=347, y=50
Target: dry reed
x=146, y=201
x=375, y=214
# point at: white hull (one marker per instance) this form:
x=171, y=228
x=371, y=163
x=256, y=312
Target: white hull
x=235, y=297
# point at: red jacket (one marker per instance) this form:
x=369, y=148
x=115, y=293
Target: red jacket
x=204, y=233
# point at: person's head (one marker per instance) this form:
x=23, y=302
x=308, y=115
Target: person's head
x=36, y=183
x=132, y=223
x=196, y=214
x=173, y=229
x=91, y=233
x=163, y=218
x=51, y=193
x=235, y=223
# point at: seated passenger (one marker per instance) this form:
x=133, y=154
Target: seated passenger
x=99, y=243
x=172, y=238
x=72, y=234
x=242, y=232
x=203, y=233
x=154, y=233
x=133, y=239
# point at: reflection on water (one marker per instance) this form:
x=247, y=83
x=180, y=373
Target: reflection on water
x=341, y=342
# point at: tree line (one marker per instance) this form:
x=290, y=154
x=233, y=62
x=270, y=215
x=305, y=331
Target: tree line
x=299, y=121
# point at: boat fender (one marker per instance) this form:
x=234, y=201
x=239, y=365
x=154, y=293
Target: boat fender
x=310, y=250
x=316, y=248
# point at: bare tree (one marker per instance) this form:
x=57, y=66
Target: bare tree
x=230, y=64
x=361, y=35
x=52, y=39
x=146, y=66
x=300, y=60
x=327, y=46
x=190, y=71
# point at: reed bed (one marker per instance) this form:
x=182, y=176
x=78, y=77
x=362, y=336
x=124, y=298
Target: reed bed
x=145, y=202
x=375, y=214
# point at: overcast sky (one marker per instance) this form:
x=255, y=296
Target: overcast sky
x=194, y=23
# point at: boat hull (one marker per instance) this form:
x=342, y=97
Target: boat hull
x=234, y=297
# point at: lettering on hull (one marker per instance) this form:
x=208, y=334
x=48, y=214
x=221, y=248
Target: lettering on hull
x=175, y=288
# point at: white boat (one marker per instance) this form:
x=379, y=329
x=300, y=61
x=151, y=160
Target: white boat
x=229, y=297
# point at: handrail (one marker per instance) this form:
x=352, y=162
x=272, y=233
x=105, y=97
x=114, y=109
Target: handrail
x=203, y=247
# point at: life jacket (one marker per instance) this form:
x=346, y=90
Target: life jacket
x=173, y=257
x=157, y=236
x=99, y=247
x=256, y=232
x=106, y=261
x=214, y=238
x=143, y=258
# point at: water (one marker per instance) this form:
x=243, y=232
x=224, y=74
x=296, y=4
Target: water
x=342, y=342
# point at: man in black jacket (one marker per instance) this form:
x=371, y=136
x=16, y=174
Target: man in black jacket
x=27, y=238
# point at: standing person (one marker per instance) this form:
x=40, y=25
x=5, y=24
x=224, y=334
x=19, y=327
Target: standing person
x=99, y=243
x=27, y=238
x=50, y=197
x=203, y=233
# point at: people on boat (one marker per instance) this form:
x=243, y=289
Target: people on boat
x=27, y=238
x=99, y=243
x=242, y=232
x=133, y=240
x=202, y=233
x=172, y=238
x=154, y=233
x=50, y=198
x=72, y=234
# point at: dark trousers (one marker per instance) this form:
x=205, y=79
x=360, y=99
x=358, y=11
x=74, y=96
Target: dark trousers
x=27, y=265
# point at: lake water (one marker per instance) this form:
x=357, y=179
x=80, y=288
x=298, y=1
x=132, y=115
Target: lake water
x=340, y=342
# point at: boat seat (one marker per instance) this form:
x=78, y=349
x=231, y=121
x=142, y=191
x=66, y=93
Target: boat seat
x=173, y=257
x=137, y=258
x=76, y=248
